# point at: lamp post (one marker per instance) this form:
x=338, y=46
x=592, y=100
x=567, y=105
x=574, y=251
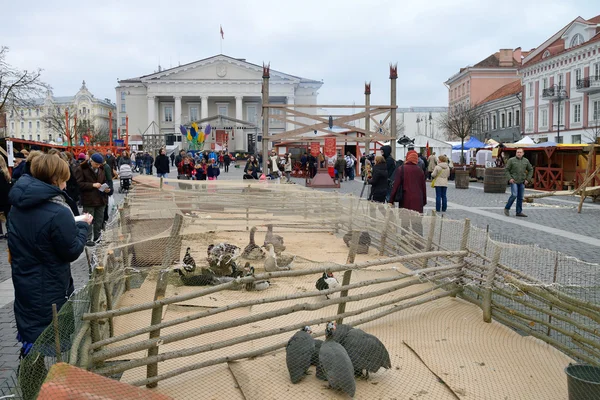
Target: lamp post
x=418, y=126
x=430, y=125
x=562, y=95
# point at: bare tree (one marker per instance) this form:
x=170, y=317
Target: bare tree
x=592, y=133
x=18, y=87
x=55, y=119
x=459, y=122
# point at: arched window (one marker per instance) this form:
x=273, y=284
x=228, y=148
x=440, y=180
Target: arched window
x=546, y=54
x=577, y=40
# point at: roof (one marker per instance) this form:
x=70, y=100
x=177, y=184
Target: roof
x=242, y=60
x=421, y=109
x=506, y=90
x=493, y=61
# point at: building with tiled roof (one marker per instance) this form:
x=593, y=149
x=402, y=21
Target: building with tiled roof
x=561, y=84
x=472, y=84
x=501, y=114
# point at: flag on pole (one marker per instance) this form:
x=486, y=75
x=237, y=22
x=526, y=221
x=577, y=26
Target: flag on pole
x=428, y=149
x=221, y=31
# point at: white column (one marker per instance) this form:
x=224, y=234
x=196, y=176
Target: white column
x=177, y=113
x=239, y=133
x=151, y=110
x=290, y=125
x=204, y=107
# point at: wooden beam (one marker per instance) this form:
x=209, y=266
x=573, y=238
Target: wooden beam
x=279, y=105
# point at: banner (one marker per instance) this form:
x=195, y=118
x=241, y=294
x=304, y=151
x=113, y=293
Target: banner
x=10, y=153
x=330, y=149
x=221, y=137
x=315, y=148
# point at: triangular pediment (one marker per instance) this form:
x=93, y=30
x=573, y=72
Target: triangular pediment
x=219, y=68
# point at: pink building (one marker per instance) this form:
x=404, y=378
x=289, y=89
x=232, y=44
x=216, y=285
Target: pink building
x=473, y=84
x=561, y=85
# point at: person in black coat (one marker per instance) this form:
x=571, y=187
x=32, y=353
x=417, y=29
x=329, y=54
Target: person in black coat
x=19, y=168
x=5, y=185
x=162, y=164
x=386, y=152
x=379, y=180
x=172, y=157
x=43, y=240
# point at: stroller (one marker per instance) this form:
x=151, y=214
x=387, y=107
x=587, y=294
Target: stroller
x=125, y=176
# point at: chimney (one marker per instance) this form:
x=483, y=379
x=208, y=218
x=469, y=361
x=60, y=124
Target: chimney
x=517, y=55
x=506, y=58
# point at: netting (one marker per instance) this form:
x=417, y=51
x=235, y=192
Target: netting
x=228, y=290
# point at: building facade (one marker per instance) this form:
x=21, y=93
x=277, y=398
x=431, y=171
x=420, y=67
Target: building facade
x=472, y=84
x=30, y=122
x=422, y=121
x=561, y=85
x=501, y=115
x=204, y=89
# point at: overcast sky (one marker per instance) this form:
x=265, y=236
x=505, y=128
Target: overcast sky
x=344, y=43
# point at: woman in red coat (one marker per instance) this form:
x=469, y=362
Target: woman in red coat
x=413, y=180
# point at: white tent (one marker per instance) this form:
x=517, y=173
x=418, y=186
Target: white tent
x=525, y=140
x=435, y=145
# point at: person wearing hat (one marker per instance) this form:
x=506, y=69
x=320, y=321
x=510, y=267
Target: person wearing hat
x=410, y=179
x=19, y=167
x=90, y=177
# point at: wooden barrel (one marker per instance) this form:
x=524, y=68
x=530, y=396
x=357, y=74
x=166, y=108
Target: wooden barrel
x=461, y=179
x=494, y=181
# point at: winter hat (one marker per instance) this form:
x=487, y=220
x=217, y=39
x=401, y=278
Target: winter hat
x=97, y=158
x=81, y=156
x=411, y=157
x=20, y=155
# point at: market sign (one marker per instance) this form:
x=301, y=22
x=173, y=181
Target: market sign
x=315, y=148
x=330, y=149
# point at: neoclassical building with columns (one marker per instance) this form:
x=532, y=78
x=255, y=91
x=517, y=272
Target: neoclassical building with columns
x=212, y=87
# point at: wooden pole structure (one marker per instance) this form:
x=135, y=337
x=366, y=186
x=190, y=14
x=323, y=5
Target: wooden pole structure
x=110, y=128
x=127, y=132
x=265, y=116
x=367, y=119
x=159, y=294
x=56, y=335
x=393, y=134
x=486, y=304
x=348, y=274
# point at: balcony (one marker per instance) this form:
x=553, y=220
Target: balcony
x=554, y=93
x=589, y=85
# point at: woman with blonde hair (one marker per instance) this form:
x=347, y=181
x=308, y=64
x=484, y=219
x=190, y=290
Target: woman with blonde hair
x=5, y=183
x=44, y=238
x=440, y=175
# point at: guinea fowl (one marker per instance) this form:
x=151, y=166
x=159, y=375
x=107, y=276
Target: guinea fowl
x=221, y=257
x=366, y=351
x=253, y=251
x=315, y=360
x=327, y=281
x=337, y=366
x=298, y=354
x=256, y=285
x=189, y=264
x=275, y=240
x=195, y=280
x=271, y=261
x=364, y=241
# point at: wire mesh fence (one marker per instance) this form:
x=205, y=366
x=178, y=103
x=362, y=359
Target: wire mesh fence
x=236, y=291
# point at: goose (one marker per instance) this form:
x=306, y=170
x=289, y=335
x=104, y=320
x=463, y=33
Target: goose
x=366, y=351
x=336, y=364
x=221, y=256
x=327, y=281
x=256, y=285
x=275, y=240
x=189, y=264
x=252, y=251
x=298, y=354
x=271, y=261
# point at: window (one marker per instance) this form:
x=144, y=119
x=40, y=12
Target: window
x=577, y=40
x=509, y=119
x=22, y=125
x=123, y=121
x=517, y=117
x=596, y=113
x=597, y=71
x=530, y=120
x=545, y=83
x=559, y=79
x=30, y=137
x=502, y=121
x=168, y=114
x=559, y=139
x=12, y=113
x=576, y=139
x=29, y=112
x=275, y=111
x=22, y=113
x=37, y=125
x=577, y=76
x=577, y=113
x=544, y=118
x=122, y=107
x=530, y=89
x=561, y=115
x=30, y=124
x=194, y=113
x=39, y=139
x=122, y=95
x=49, y=137
x=23, y=137
x=37, y=112
x=222, y=109
x=84, y=111
x=493, y=122
x=12, y=126
x=251, y=114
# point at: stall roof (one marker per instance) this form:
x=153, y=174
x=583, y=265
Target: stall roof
x=473, y=142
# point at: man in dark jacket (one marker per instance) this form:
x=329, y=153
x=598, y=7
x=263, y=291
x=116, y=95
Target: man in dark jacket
x=172, y=157
x=110, y=160
x=19, y=168
x=148, y=161
x=90, y=177
x=44, y=239
x=386, y=152
x=179, y=157
x=162, y=164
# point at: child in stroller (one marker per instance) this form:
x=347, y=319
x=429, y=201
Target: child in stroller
x=125, y=176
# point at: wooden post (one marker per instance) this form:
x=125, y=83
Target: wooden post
x=248, y=213
x=486, y=304
x=172, y=241
x=386, y=227
x=98, y=279
x=588, y=170
x=348, y=274
x=553, y=281
x=429, y=238
x=265, y=118
x=161, y=184
x=159, y=294
x=463, y=246
x=393, y=133
x=56, y=334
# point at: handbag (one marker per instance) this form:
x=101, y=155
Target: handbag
x=433, y=183
x=400, y=193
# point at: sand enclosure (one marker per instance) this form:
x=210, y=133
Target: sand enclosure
x=439, y=350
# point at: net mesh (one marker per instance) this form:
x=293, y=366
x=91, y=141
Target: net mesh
x=350, y=298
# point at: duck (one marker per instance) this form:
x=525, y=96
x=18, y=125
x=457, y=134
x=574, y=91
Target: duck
x=195, y=280
x=256, y=285
x=364, y=242
x=221, y=256
x=326, y=282
x=336, y=364
x=298, y=354
x=366, y=351
x=271, y=264
x=275, y=240
x=189, y=264
x=253, y=251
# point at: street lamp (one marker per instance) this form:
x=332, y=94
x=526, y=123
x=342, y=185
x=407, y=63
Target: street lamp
x=430, y=124
x=562, y=95
x=419, y=126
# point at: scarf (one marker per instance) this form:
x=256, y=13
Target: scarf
x=59, y=199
